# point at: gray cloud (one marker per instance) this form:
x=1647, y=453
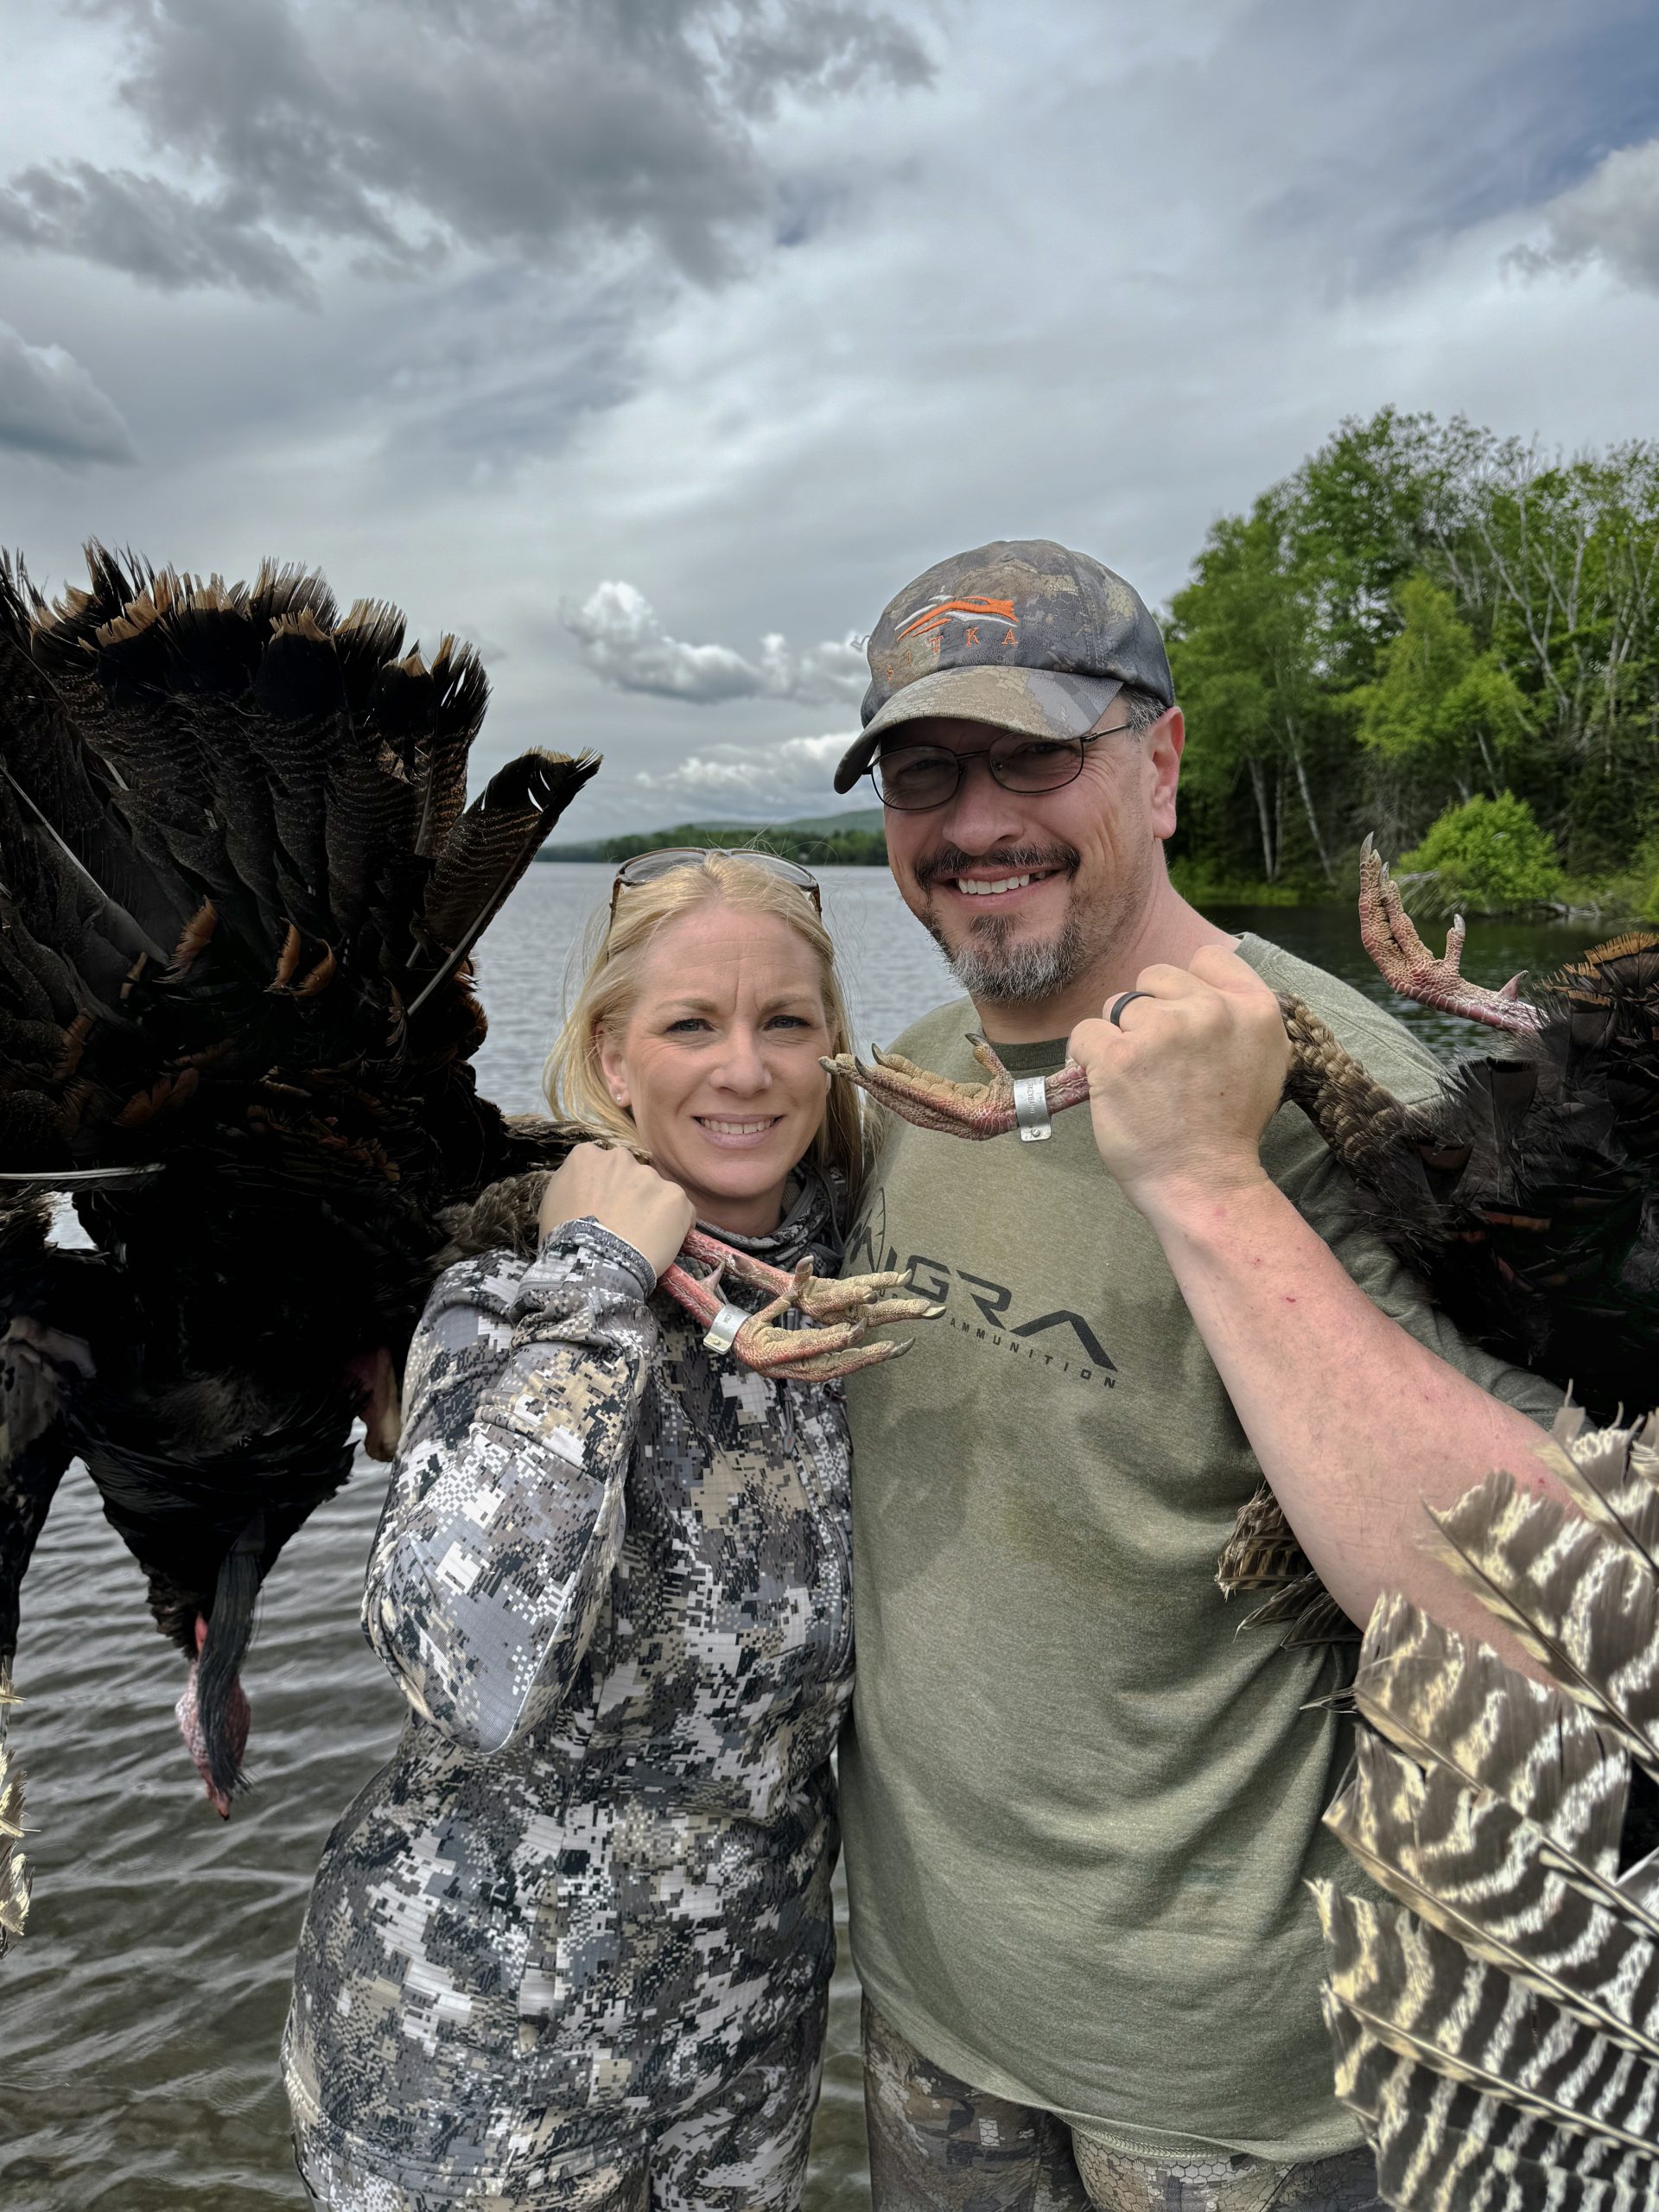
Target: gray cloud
x=119, y=220
x=1612, y=218
x=403, y=129
x=754, y=783
x=50, y=406
x=624, y=642
x=504, y=365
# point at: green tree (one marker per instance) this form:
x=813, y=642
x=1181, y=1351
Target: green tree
x=1560, y=562
x=1370, y=504
x=1243, y=645
x=1489, y=854
x=1439, y=706
x=1424, y=612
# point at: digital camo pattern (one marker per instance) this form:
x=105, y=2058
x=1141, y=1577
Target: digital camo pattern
x=738, y=2147
x=938, y=2145
x=586, y=1906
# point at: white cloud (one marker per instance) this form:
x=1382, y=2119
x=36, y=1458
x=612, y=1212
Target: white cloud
x=49, y=405
x=1612, y=217
x=625, y=644
x=751, y=783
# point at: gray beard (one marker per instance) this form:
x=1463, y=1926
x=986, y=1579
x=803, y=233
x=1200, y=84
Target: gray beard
x=993, y=967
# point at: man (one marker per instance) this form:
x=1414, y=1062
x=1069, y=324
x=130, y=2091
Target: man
x=1079, y=1806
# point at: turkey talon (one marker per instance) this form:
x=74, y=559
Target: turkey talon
x=824, y=1349
x=959, y=1110
x=1407, y=966
x=821, y=1298
x=809, y=1355
x=829, y=1367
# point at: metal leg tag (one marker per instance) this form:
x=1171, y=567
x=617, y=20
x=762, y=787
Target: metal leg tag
x=1031, y=1109
x=721, y=1332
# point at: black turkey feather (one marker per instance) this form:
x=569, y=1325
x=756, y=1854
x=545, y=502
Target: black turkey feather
x=239, y=889
x=1496, y=2028
x=237, y=1033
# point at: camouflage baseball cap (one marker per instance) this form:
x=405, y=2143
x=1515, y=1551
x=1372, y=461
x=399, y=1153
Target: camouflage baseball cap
x=1020, y=633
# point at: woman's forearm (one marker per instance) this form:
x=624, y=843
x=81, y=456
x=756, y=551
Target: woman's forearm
x=1357, y=1426
x=506, y=1512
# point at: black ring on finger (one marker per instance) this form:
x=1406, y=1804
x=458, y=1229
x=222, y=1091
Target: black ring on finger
x=1114, y=1012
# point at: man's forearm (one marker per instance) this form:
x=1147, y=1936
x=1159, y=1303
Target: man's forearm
x=1356, y=1424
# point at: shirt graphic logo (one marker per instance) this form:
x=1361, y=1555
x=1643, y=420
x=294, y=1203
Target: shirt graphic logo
x=1061, y=1340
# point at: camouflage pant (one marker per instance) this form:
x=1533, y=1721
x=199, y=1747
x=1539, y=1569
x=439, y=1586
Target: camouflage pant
x=738, y=2146
x=938, y=2145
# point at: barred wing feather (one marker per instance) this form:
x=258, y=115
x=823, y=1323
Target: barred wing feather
x=1497, y=2027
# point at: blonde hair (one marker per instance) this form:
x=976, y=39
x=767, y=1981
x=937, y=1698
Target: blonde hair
x=611, y=958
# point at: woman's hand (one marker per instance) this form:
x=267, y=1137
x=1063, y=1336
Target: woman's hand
x=623, y=1195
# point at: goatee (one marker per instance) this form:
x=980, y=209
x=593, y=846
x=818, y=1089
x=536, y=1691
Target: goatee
x=996, y=967
x=991, y=964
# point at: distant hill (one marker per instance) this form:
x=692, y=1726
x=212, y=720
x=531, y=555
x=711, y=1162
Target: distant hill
x=852, y=839
x=862, y=818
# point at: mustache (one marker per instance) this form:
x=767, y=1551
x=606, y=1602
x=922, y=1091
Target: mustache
x=1018, y=860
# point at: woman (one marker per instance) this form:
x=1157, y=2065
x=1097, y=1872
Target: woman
x=571, y=1948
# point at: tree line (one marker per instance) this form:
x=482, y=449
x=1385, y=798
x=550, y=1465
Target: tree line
x=1442, y=636
x=854, y=847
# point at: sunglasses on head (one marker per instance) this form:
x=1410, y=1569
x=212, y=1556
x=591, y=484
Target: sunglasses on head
x=645, y=868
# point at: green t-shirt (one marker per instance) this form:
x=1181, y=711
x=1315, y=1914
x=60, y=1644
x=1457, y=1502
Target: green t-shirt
x=1079, y=1805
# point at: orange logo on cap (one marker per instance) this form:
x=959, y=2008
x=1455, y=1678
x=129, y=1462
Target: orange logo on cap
x=939, y=614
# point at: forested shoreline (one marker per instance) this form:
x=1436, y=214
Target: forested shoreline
x=1442, y=636
x=1429, y=633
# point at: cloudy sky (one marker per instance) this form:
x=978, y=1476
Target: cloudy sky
x=654, y=344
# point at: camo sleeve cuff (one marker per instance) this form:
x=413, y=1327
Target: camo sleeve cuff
x=587, y=1239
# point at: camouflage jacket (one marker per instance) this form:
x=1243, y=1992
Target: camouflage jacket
x=612, y=1578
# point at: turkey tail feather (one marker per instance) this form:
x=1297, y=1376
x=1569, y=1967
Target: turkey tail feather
x=1583, y=1598
x=126, y=931
x=490, y=848
x=1475, y=2094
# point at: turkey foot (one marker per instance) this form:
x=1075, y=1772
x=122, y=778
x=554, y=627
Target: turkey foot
x=1407, y=966
x=821, y=1298
x=963, y=1109
x=809, y=1355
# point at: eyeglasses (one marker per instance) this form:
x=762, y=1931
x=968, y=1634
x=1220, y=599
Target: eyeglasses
x=645, y=868
x=913, y=778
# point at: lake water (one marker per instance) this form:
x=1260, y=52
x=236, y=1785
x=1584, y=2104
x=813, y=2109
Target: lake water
x=139, y=2017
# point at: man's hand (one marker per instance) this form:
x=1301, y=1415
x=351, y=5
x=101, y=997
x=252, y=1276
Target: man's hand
x=623, y=1195
x=1357, y=1426
x=1181, y=1093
